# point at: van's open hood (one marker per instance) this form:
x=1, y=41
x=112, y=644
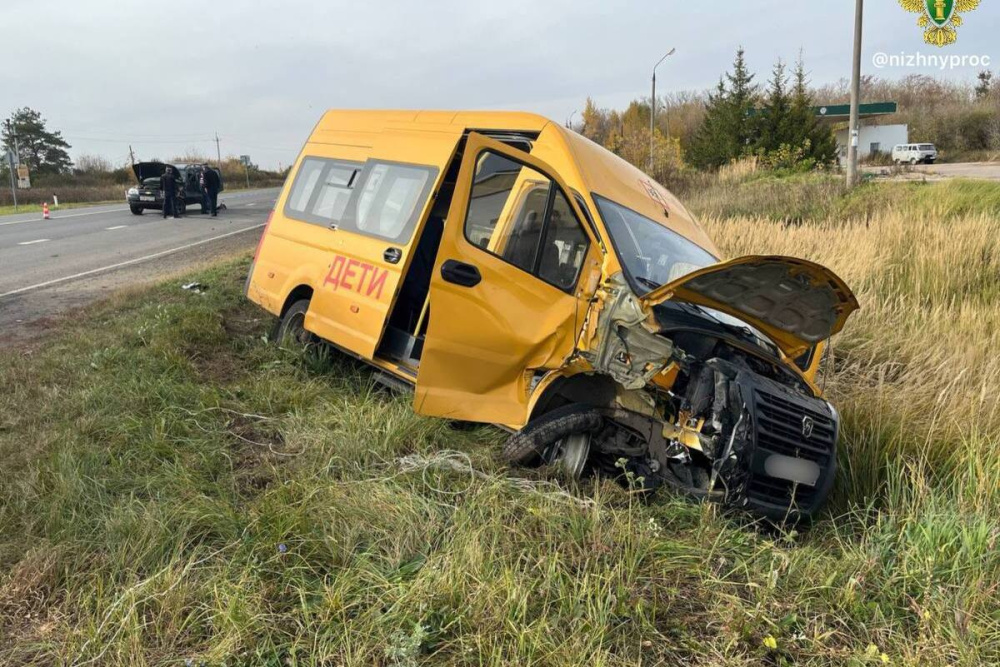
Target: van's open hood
x=795, y=302
x=144, y=170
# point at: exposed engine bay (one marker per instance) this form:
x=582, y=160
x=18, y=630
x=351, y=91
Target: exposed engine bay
x=679, y=399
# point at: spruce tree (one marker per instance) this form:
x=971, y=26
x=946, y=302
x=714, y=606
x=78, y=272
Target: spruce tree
x=743, y=97
x=729, y=129
x=775, y=128
x=822, y=144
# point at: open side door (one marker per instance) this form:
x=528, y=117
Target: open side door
x=509, y=288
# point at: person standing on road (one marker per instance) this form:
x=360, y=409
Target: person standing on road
x=168, y=184
x=210, y=184
x=201, y=186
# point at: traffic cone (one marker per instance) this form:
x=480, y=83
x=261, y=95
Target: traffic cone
x=45, y=210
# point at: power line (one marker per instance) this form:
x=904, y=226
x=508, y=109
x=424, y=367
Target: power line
x=126, y=141
x=118, y=133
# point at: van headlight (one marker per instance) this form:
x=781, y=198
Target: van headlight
x=133, y=191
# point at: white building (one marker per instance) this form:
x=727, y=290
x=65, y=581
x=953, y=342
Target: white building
x=873, y=139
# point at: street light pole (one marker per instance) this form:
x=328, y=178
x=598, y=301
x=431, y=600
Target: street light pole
x=854, y=130
x=652, y=108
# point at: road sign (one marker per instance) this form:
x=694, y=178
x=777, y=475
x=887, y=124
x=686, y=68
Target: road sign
x=245, y=160
x=23, y=178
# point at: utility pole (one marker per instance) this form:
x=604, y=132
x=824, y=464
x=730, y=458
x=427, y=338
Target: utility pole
x=652, y=108
x=854, y=130
x=17, y=149
x=131, y=154
x=13, y=189
x=218, y=151
x=13, y=159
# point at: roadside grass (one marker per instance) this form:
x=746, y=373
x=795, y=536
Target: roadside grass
x=30, y=201
x=37, y=208
x=175, y=487
x=68, y=192
x=814, y=197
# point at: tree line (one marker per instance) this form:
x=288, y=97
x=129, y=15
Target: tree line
x=776, y=122
x=737, y=119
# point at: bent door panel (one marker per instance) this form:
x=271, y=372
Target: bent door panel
x=515, y=306
x=372, y=232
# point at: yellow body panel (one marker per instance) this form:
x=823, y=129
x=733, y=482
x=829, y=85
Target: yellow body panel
x=485, y=343
x=490, y=350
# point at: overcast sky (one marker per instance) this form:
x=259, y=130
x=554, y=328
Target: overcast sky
x=108, y=73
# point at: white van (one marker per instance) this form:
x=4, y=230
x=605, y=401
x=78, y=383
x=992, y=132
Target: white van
x=914, y=153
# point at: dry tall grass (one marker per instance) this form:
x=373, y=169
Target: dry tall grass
x=918, y=367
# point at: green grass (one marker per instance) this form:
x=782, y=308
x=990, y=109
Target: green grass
x=175, y=487
x=37, y=208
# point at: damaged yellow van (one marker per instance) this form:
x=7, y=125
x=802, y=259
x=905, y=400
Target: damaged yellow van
x=509, y=270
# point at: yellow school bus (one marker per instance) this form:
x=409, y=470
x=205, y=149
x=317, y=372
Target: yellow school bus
x=510, y=271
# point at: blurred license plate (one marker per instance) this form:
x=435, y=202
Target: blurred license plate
x=147, y=198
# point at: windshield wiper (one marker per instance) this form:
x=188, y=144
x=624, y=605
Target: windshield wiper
x=652, y=284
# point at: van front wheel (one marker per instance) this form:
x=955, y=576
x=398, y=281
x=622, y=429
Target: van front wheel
x=565, y=432
x=291, y=327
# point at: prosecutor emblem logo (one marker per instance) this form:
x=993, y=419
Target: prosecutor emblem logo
x=939, y=18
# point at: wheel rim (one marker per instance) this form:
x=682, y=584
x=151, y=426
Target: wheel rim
x=295, y=331
x=570, y=454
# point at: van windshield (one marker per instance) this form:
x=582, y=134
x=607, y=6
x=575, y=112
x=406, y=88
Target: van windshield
x=926, y=147
x=651, y=254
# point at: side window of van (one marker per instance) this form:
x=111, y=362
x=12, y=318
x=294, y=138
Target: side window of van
x=522, y=217
x=391, y=199
x=379, y=199
x=321, y=191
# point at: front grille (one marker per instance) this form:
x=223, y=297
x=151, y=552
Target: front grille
x=779, y=430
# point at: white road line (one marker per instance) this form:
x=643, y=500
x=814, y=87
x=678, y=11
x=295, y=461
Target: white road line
x=84, y=274
x=63, y=217
x=110, y=229
x=32, y=242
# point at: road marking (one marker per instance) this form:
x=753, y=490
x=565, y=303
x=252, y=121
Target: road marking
x=63, y=217
x=32, y=242
x=115, y=227
x=253, y=203
x=84, y=274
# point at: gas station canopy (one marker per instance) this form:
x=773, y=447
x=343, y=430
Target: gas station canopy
x=839, y=112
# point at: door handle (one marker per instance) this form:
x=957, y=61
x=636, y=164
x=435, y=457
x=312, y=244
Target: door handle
x=392, y=255
x=460, y=273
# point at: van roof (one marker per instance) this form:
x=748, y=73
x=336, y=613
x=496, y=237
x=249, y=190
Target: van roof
x=599, y=170
x=376, y=120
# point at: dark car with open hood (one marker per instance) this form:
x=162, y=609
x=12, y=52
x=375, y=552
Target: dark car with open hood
x=148, y=195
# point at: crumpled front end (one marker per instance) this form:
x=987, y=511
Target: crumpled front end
x=704, y=411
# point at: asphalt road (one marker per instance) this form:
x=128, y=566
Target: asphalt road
x=982, y=170
x=987, y=171
x=50, y=266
